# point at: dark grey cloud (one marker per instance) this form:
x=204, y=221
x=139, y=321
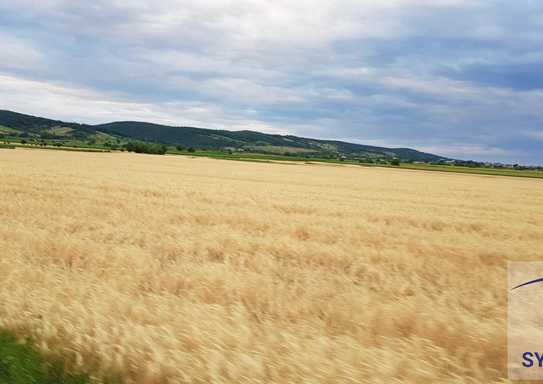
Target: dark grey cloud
x=457, y=77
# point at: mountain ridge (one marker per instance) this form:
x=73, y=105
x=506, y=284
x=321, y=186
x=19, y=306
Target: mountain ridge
x=205, y=138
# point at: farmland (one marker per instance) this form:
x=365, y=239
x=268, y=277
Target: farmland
x=172, y=269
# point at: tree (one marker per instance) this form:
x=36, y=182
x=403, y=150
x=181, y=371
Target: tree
x=395, y=162
x=179, y=148
x=191, y=150
x=163, y=149
x=139, y=147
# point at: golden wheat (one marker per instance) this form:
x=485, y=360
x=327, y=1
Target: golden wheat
x=189, y=270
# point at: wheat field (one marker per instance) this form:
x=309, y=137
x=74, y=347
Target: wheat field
x=170, y=269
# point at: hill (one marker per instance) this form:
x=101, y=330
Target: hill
x=12, y=123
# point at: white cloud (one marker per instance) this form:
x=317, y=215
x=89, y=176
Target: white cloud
x=19, y=54
x=88, y=106
x=466, y=151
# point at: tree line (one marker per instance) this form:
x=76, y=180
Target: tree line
x=141, y=147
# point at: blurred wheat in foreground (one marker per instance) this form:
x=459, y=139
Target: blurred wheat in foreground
x=180, y=270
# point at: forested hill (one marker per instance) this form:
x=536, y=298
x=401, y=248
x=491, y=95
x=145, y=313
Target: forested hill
x=12, y=123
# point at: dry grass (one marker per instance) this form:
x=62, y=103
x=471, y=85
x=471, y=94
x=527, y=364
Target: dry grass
x=173, y=270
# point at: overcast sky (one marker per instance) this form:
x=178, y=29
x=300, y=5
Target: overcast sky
x=455, y=77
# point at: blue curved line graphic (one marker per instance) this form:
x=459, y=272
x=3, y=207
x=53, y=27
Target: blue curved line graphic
x=540, y=280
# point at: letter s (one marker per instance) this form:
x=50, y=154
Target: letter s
x=527, y=357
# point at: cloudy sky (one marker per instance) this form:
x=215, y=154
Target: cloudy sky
x=459, y=78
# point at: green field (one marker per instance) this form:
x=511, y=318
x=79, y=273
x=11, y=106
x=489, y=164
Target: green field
x=60, y=131
x=479, y=171
x=65, y=147
x=7, y=131
x=21, y=363
x=75, y=145
x=245, y=156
